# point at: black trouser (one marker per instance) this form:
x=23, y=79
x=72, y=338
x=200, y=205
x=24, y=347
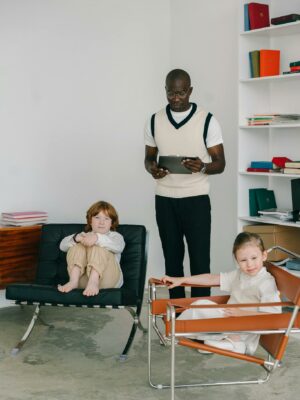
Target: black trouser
x=189, y=217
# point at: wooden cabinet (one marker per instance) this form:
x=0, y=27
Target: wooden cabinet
x=18, y=254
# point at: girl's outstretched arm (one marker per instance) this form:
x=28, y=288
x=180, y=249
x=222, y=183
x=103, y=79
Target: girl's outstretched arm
x=202, y=279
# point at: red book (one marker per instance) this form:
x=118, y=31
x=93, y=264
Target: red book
x=250, y=169
x=269, y=62
x=295, y=68
x=258, y=15
x=280, y=161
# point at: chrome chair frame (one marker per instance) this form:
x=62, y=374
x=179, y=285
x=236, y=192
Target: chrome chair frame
x=172, y=338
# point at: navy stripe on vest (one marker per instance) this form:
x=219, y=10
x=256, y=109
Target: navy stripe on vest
x=205, y=130
x=152, y=124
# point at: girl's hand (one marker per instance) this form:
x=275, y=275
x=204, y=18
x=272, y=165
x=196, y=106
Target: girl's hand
x=233, y=312
x=172, y=282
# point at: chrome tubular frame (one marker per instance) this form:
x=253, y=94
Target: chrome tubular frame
x=26, y=335
x=269, y=365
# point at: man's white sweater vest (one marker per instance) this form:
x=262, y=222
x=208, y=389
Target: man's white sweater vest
x=187, y=141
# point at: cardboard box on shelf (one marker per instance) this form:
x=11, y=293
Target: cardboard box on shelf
x=277, y=235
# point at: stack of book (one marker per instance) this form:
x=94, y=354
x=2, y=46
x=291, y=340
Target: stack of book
x=292, y=167
x=272, y=119
x=275, y=213
x=23, y=218
x=263, y=166
x=294, y=68
x=278, y=164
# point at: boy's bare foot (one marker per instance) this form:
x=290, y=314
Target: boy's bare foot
x=92, y=287
x=73, y=282
x=67, y=287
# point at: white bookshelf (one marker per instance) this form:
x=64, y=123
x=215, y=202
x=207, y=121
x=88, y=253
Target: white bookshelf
x=276, y=94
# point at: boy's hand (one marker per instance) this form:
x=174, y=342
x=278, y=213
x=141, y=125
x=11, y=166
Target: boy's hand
x=88, y=239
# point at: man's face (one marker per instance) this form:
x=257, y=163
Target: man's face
x=178, y=94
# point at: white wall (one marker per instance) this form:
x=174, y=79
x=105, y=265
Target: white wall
x=204, y=41
x=78, y=78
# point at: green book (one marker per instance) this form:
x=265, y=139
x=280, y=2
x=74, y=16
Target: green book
x=253, y=204
x=266, y=199
x=254, y=57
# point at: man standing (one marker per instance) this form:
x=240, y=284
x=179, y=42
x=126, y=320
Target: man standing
x=182, y=202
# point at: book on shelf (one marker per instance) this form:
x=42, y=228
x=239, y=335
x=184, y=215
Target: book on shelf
x=254, y=63
x=272, y=119
x=275, y=214
x=290, y=72
x=266, y=199
x=246, y=18
x=276, y=211
x=261, y=164
x=259, y=199
x=295, y=64
x=280, y=162
x=292, y=164
x=253, y=206
x=285, y=19
x=295, y=187
x=269, y=62
x=295, y=171
x=258, y=15
x=249, y=169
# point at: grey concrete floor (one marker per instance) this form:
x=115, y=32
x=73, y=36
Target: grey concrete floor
x=76, y=359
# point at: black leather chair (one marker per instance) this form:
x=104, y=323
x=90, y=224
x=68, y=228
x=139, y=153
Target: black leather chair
x=52, y=270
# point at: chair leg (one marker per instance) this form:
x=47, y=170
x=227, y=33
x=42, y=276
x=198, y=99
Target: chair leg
x=17, y=348
x=136, y=324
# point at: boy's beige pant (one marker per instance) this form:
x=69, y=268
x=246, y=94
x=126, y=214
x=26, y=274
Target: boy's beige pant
x=102, y=260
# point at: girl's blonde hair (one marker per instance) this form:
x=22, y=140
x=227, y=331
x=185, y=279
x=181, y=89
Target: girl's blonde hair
x=247, y=237
x=107, y=208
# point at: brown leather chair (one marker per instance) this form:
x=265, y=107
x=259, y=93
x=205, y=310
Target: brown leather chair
x=273, y=328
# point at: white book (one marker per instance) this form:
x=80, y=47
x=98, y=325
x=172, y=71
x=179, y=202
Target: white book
x=17, y=223
x=276, y=211
x=24, y=214
x=35, y=219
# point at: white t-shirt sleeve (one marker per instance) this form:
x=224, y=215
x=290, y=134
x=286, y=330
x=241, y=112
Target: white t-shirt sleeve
x=148, y=138
x=112, y=241
x=67, y=242
x=269, y=294
x=214, y=133
x=226, y=280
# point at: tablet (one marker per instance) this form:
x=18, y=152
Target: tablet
x=173, y=164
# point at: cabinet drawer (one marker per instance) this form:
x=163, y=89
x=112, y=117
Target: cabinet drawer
x=18, y=254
